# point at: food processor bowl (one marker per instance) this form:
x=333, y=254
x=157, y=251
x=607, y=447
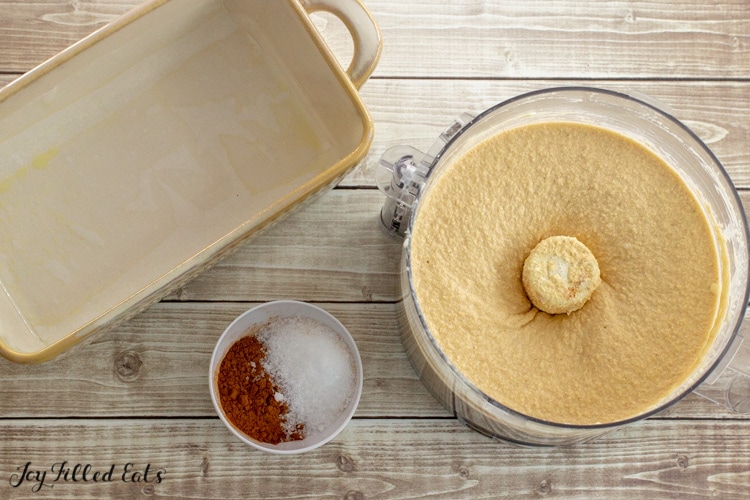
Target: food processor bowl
x=406, y=175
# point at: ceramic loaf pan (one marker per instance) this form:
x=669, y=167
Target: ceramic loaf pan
x=134, y=159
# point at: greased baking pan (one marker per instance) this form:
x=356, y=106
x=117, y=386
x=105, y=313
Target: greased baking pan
x=134, y=159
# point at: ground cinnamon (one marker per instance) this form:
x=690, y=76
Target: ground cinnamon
x=248, y=394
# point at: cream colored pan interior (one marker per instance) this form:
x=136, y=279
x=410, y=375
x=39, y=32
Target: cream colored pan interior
x=132, y=160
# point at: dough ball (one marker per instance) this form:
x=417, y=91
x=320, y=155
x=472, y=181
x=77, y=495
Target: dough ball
x=560, y=274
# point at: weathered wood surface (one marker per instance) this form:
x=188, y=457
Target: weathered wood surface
x=157, y=365
x=382, y=459
x=628, y=39
x=417, y=111
x=140, y=393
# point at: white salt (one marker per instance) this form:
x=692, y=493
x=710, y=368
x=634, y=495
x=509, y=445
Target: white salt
x=313, y=368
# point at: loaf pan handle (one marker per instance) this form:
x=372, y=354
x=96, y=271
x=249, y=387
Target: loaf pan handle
x=368, y=42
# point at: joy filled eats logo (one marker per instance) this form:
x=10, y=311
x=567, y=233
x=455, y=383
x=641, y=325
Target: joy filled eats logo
x=64, y=472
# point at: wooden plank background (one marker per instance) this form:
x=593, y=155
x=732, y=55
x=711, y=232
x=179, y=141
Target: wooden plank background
x=139, y=394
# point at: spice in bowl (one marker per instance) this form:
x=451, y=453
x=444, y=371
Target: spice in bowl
x=288, y=382
x=249, y=397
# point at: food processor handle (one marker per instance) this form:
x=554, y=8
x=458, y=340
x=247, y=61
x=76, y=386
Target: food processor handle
x=730, y=386
x=402, y=173
x=400, y=176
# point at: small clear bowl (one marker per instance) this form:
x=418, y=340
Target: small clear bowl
x=261, y=315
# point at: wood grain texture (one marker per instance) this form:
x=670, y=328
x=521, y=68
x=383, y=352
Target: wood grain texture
x=6, y=79
x=394, y=459
x=157, y=365
x=578, y=39
x=476, y=39
x=332, y=250
x=32, y=32
x=415, y=112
